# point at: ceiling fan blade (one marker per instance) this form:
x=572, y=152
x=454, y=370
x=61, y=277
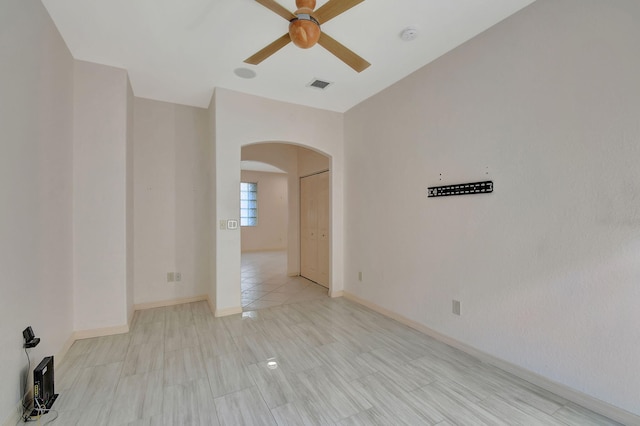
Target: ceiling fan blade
x=263, y=54
x=277, y=8
x=344, y=54
x=333, y=8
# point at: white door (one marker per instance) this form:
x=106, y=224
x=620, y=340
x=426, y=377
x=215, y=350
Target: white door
x=314, y=228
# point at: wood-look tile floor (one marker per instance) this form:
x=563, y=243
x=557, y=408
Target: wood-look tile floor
x=318, y=362
x=265, y=283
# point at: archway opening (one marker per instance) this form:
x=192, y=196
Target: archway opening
x=277, y=242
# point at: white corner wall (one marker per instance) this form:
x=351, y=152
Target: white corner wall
x=273, y=212
x=36, y=134
x=172, y=220
x=100, y=196
x=546, y=105
x=242, y=119
x=210, y=155
x=129, y=204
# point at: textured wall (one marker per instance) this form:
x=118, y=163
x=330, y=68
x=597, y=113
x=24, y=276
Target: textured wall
x=546, y=105
x=36, y=136
x=100, y=196
x=273, y=214
x=172, y=220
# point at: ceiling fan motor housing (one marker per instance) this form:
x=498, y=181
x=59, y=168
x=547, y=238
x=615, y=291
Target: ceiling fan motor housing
x=305, y=29
x=310, y=4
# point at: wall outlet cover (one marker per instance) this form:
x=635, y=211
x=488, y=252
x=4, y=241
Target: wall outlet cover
x=170, y=277
x=456, y=307
x=178, y=276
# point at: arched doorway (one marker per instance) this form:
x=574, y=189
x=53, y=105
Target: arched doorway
x=274, y=265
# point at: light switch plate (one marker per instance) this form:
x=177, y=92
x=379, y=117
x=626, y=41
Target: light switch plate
x=232, y=224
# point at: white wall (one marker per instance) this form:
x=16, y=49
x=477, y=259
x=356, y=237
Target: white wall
x=172, y=219
x=100, y=196
x=273, y=212
x=210, y=154
x=546, y=105
x=36, y=137
x=129, y=204
x=242, y=119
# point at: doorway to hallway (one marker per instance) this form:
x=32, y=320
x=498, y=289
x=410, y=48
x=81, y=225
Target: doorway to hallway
x=265, y=283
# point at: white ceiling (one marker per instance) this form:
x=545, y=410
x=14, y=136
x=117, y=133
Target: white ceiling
x=179, y=50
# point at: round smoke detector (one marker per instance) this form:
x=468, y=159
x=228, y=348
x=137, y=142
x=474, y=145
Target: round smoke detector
x=409, y=33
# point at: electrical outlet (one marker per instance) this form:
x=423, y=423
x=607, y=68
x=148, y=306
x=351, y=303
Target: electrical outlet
x=170, y=277
x=360, y=276
x=223, y=224
x=455, y=307
x=178, y=276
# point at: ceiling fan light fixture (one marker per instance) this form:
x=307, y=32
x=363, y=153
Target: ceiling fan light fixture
x=304, y=30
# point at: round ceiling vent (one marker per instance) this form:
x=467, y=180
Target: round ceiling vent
x=244, y=73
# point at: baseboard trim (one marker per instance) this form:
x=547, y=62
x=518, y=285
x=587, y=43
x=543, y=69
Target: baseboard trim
x=99, y=332
x=170, y=302
x=228, y=311
x=212, y=308
x=335, y=294
x=573, y=395
x=130, y=316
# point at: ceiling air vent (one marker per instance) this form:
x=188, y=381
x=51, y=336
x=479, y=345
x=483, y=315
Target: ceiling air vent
x=319, y=84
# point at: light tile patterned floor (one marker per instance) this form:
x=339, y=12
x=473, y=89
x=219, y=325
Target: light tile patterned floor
x=265, y=282
x=315, y=362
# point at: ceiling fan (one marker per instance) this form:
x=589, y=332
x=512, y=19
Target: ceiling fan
x=304, y=30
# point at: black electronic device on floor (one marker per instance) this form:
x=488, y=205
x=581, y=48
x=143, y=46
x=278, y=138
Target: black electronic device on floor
x=43, y=387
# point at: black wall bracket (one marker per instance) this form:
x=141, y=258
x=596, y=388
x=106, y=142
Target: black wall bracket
x=460, y=189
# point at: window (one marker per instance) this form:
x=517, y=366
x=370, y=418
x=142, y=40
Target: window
x=248, y=204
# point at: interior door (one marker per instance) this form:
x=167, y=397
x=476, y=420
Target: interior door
x=308, y=229
x=314, y=228
x=322, y=214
